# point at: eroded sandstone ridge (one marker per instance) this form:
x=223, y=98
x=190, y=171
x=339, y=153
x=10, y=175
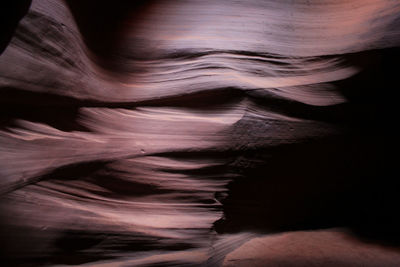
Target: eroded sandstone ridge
x=137, y=133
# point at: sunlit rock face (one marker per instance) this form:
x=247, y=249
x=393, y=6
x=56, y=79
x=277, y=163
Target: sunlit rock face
x=140, y=133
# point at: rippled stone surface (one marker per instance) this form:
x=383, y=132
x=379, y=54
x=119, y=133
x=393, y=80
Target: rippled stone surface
x=137, y=133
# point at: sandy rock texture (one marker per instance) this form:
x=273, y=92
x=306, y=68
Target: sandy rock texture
x=169, y=133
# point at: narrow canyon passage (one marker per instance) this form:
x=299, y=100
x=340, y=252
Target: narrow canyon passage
x=199, y=133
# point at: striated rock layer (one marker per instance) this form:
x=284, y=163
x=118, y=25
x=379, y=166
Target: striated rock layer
x=138, y=133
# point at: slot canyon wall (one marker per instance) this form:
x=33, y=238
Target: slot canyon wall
x=199, y=133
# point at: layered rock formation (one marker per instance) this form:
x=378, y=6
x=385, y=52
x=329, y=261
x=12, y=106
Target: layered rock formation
x=171, y=132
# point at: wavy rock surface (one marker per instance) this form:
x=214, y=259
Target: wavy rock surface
x=170, y=132
x=333, y=247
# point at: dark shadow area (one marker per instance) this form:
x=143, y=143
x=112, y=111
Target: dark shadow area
x=62, y=119
x=100, y=23
x=11, y=12
x=326, y=183
x=349, y=180
x=60, y=112
x=74, y=247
